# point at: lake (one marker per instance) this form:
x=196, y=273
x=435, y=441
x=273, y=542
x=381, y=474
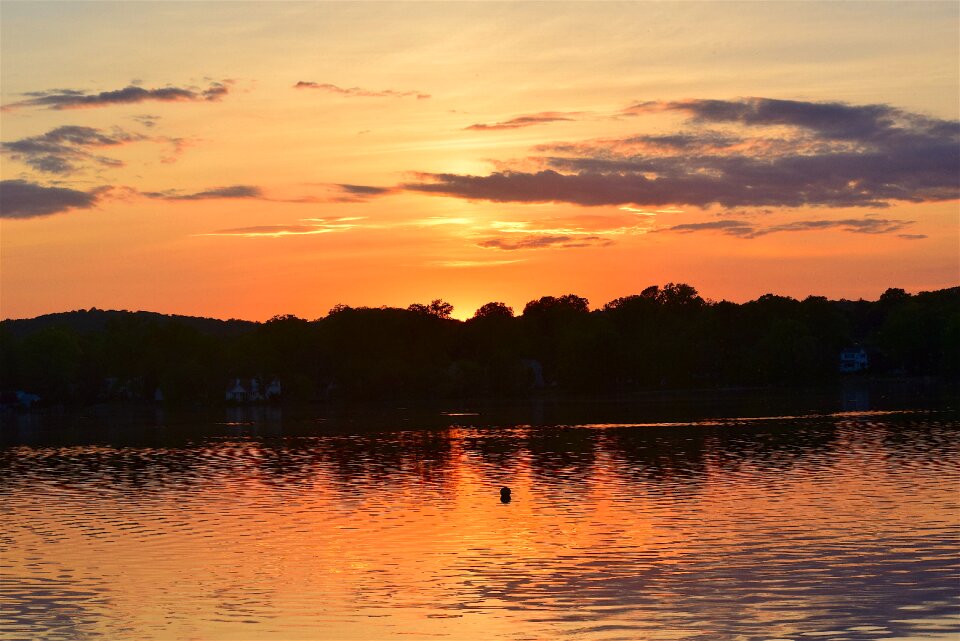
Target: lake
x=261, y=523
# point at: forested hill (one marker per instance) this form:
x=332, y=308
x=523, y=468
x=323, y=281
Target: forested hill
x=663, y=337
x=96, y=320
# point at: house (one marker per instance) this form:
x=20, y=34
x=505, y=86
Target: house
x=249, y=391
x=853, y=359
x=273, y=391
x=238, y=393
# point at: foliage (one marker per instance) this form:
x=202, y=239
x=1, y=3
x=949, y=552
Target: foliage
x=663, y=337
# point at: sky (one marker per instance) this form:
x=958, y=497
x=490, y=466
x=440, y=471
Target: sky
x=247, y=159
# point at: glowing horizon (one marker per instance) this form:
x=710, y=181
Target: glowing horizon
x=287, y=157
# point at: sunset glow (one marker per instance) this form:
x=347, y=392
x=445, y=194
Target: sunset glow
x=251, y=159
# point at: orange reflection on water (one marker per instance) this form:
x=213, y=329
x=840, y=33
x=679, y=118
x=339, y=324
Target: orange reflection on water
x=621, y=532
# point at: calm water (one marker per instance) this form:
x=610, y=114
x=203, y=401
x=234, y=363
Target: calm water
x=251, y=525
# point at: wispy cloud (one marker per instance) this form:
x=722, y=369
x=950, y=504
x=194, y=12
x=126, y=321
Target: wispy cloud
x=233, y=191
x=528, y=120
x=131, y=94
x=536, y=241
x=563, y=232
x=307, y=227
x=790, y=154
x=468, y=264
x=147, y=120
x=20, y=199
x=346, y=193
x=745, y=229
x=358, y=92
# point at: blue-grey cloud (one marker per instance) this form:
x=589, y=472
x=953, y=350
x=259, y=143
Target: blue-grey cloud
x=745, y=229
x=233, y=191
x=832, y=154
x=131, y=94
x=829, y=119
x=365, y=190
x=65, y=149
x=21, y=199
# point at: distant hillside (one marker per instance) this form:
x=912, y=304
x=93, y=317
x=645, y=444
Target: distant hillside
x=96, y=320
x=662, y=338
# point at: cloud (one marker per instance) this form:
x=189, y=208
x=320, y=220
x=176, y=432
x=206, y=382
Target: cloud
x=829, y=119
x=466, y=264
x=233, y=191
x=579, y=225
x=357, y=193
x=147, y=120
x=912, y=236
x=788, y=154
x=20, y=199
x=527, y=121
x=343, y=193
x=357, y=92
x=65, y=149
x=311, y=227
x=131, y=94
x=365, y=190
x=535, y=241
x=744, y=229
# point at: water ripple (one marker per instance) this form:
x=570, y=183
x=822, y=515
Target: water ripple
x=838, y=526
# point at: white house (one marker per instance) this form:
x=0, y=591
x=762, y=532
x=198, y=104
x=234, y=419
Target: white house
x=238, y=393
x=853, y=359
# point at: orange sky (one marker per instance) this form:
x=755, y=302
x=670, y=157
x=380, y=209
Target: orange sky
x=251, y=159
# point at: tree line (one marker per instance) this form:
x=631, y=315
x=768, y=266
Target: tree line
x=665, y=337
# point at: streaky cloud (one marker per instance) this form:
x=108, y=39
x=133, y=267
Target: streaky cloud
x=830, y=155
x=467, y=264
x=20, y=199
x=526, y=121
x=534, y=241
x=745, y=229
x=364, y=190
x=359, y=193
x=233, y=191
x=312, y=226
x=131, y=94
x=358, y=92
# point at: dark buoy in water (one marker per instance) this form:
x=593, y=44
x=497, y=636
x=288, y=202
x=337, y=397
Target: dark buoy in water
x=504, y=494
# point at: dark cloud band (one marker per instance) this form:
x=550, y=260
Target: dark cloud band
x=65, y=149
x=743, y=229
x=832, y=154
x=73, y=99
x=233, y=191
x=21, y=199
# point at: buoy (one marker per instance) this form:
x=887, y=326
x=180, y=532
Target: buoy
x=504, y=494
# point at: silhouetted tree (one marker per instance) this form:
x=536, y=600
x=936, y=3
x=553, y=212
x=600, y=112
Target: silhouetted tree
x=437, y=307
x=494, y=310
x=662, y=337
